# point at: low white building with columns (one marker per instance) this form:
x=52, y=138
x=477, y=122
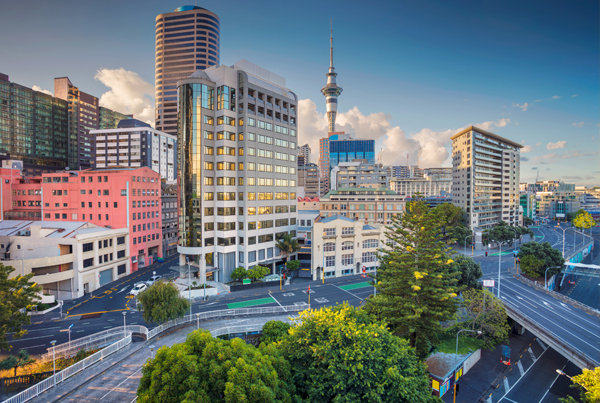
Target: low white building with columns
x=345, y=246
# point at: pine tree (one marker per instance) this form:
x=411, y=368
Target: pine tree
x=416, y=287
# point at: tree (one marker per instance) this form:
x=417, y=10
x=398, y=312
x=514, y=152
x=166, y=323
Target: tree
x=205, y=369
x=292, y=265
x=161, y=302
x=287, y=245
x=340, y=354
x=16, y=295
x=502, y=232
x=238, y=274
x=258, y=272
x=527, y=221
x=487, y=315
x=274, y=331
x=571, y=216
x=22, y=359
x=583, y=220
x=469, y=272
x=530, y=265
x=415, y=285
x=451, y=215
x=546, y=253
x=588, y=383
x=459, y=234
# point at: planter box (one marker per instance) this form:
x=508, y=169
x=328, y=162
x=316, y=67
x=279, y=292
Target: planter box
x=43, y=312
x=47, y=299
x=198, y=293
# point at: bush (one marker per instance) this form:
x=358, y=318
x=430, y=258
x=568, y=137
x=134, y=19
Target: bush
x=258, y=272
x=238, y=274
x=274, y=330
x=292, y=265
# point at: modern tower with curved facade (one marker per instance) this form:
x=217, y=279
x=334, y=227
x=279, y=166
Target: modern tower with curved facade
x=331, y=90
x=237, y=168
x=186, y=40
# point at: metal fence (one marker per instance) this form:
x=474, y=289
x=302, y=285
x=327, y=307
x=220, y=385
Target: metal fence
x=61, y=376
x=549, y=336
x=90, y=342
x=96, y=339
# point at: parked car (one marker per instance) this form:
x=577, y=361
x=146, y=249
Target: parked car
x=153, y=280
x=138, y=288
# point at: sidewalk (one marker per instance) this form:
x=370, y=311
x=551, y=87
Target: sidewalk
x=486, y=377
x=116, y=379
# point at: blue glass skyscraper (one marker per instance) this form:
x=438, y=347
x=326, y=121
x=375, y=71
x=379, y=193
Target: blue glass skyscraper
x=349, y=150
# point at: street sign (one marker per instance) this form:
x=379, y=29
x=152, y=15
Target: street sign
x=246, y=281
x=488, y=283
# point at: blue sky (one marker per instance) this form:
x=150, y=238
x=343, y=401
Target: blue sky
x=415, y=71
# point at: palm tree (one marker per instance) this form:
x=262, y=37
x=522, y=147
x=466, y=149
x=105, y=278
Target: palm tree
x=287, y=245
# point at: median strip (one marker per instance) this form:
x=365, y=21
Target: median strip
x=254, y=302
x=355, y=286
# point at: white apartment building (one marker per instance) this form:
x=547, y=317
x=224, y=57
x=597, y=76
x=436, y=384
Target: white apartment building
x=238, y=180
x=344, y=246
x=305, y=151
x=359, y=174
x=136, y=144
x=68, y=259
x=486, y=176
x=428, y=187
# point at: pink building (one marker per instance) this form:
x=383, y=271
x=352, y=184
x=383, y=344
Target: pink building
x=112, y=197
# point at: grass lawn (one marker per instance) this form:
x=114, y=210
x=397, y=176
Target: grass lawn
x=448, y=344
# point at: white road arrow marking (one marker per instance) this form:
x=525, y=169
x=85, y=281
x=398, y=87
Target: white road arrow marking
x=122, y=290
x=519, y=297
x=547, y=304
x=565, y=306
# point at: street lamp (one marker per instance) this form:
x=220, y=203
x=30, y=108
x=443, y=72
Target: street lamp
x=559, y=372
x=124, y=325
x=53, y=342
x=456, y=355
x=499, y=263
x=563, y=242
x=189, y=285
x=466, y=245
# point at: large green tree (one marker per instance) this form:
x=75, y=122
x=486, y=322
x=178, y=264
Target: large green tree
x=527, y=221
x=459, y=234
x=470, y=272
x=502, y=232
x=274, y=331
x=487, y=315
x=161, y=302
x=416, y=287
x=546, y=253
x=451, y=215
x=16, y=295
x=340, y=354
x=530, y=265
x=204, y=369
x=583, y=220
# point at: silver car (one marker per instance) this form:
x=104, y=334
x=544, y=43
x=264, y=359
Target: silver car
x=138, y=288
x=153, y=280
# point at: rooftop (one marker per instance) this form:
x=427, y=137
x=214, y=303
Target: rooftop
x=326, y=220
x=49, y=229
x=489, y=134
x=379, y=191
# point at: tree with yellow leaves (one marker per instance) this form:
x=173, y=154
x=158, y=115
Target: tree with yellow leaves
x=416, y=286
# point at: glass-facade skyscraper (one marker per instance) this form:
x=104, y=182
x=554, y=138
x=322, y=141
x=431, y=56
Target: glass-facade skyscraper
x=33, y=128
x=187, y=40
x=349, y=150
x=237, y=164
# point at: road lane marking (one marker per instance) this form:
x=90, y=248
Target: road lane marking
x=278, y=302
x=354, y=295
x=541, y=343
x=518, y=380
x=110, y=391
x=506, y=386
x=552, y=384
x=124, y=288
x=532, y=355
x=31, y=338
x=520, y=368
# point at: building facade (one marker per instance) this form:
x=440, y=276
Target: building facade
x=112, y=198
x=308, y=180
x=363, y=204
x=136, y=144
x=358, y=174
x=67, y=259
x=170, y=218
x=34, y=128
x=188, y=39
x=304, y=151
x=486, y=177
x=438, y=173
x=350, y=150
x=343, y=246
x=237, y=168
x=556, y=205
x=85, y=114
x=405, y=171
x=426, y=186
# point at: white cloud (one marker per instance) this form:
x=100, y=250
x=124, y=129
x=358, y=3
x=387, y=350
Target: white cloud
x=580, y=124
x=538, y=144
x=538, y=100
x=555, y=97
x=523, y=107
x=129, y=94
x=574, y=95
x=526, y=149
x=38, y=88
x=490, y=124
x=557, y=145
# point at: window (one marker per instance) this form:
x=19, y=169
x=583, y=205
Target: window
x=251, y=240
x=348, y=245
x=88, y=246
x=347, y=260
x=329, y=232
x=120, y=254
x=251, y=257
x=241, y=257
x=329, y=247
x=88, y=262
x=348, y=231
x=369, y=257
x=329, y=261
x=370, y=243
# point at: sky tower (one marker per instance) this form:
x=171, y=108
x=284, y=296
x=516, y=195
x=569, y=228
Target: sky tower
x=331, y=90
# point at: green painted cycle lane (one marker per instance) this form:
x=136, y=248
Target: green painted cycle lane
x=355, y=286
x=254, y=302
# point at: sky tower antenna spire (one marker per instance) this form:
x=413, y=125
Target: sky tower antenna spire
x=331, y=91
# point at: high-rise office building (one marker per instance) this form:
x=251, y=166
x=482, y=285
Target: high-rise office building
x=405, y=171
x=486, y=174
x=33, y=129
x=187, y=40
x=237, y=168
x=85, y=114
x=305, y=151
x=359, y=174
x=349, y=150
x=136, y=144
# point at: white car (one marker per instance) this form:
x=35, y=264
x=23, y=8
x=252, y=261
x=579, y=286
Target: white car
x=138, y=288
x=153, y=280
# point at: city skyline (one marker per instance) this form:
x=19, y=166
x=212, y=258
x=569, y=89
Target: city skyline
x=527, y=72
